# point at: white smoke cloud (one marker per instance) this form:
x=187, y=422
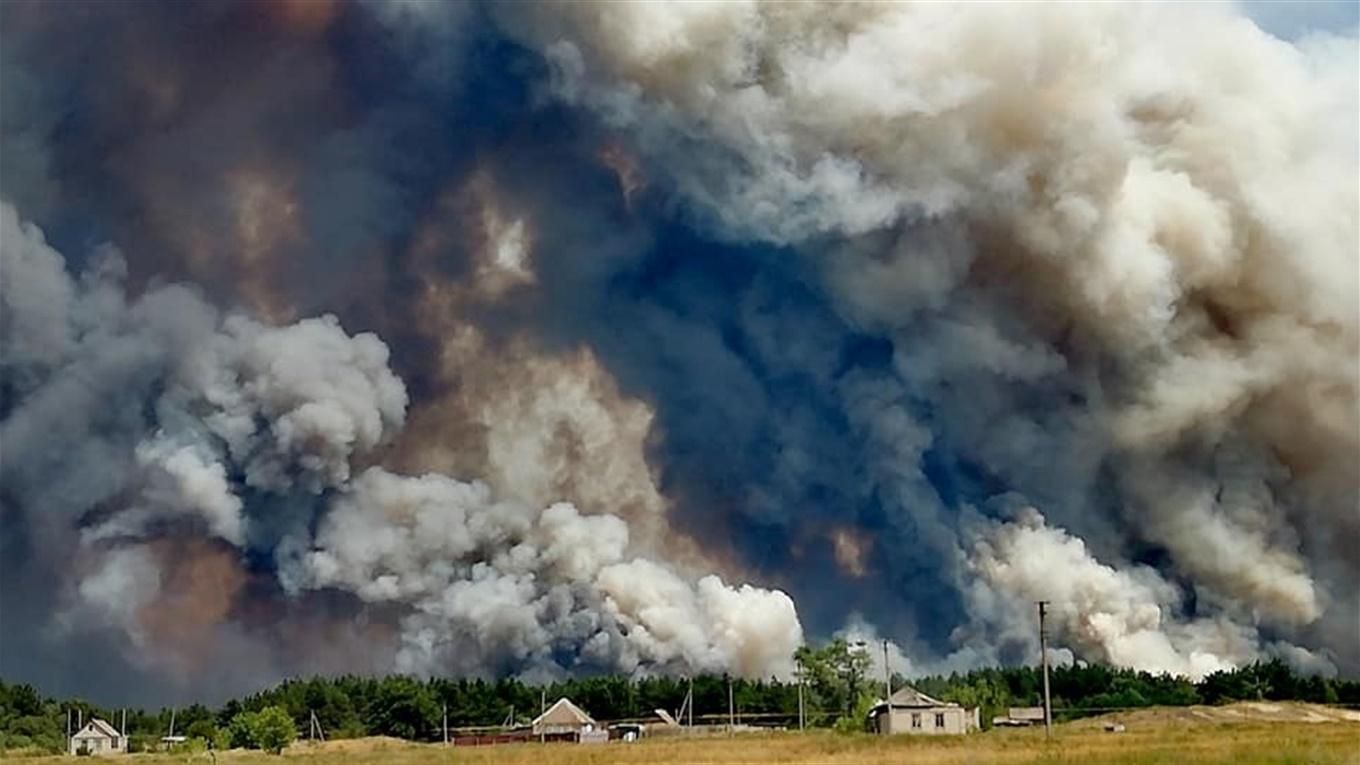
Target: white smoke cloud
x=1124, y=616
x=325, y=396
x=500, y=583
x=177, y=481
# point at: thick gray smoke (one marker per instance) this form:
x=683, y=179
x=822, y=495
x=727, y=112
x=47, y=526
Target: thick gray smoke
x=914, y=312
x=249, y=432
x=1167, y=196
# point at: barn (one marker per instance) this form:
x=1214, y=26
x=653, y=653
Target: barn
x=911, y=712
x=98, y=737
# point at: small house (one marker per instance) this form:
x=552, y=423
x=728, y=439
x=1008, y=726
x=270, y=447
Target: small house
x=564, y=717
x=98, y=737
x=911, y=712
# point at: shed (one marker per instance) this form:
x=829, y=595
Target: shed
x=563, y=717
x=98, y=737
x=911, y=712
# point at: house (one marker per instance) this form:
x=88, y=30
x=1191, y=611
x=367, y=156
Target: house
x=564, y=717
x=98, y=737
x=912, y=712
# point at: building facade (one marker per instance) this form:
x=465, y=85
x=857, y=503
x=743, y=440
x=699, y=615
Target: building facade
x=98, y=737
x=908, y=711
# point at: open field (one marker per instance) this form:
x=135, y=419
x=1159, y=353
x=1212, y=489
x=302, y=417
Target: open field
x=1290, y=734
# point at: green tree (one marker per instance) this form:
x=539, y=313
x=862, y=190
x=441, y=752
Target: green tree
x=404, y=708
x=836, y=675
x=204, y=729
x=241, y=731
x=273, y=729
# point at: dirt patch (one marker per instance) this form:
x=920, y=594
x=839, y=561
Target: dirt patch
x=1242, y=712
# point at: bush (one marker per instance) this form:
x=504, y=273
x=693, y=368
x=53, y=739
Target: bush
x=274, y=729
x=203, y=729
x=270, y=729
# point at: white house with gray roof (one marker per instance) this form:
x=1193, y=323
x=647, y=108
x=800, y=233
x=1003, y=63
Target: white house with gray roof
x=98, y=737
x=911, y=712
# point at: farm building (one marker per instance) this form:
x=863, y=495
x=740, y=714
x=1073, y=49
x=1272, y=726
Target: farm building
x=98, y=737
x=564, y=717
x=912, y=712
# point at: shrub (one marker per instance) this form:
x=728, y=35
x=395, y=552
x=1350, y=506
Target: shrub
x=270, y=729
x=275, y=729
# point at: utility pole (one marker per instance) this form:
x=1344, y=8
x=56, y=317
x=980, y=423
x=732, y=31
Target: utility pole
x=731, y=707
x=542, y=709
x=690, y=700
x=1043, y=660
x=850, y=681
x=887, y=675
x=802, y=718
x=446, y=723
x=122, y=729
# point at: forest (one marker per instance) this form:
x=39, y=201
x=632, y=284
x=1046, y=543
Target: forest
x=838, y=689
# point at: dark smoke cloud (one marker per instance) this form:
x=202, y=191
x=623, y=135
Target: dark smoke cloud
x=915, y=333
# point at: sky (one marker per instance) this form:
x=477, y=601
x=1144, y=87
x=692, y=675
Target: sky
x=1289, y=20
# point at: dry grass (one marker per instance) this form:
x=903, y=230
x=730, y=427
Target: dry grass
x=1152, y=737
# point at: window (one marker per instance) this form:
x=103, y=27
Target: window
x=939, y=719
x=915, y=719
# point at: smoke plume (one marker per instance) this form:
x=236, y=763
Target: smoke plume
x=657, y=337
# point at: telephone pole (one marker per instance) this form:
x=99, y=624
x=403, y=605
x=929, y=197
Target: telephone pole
x=802, y=718
x=887, y=675
x=731, y=707
x=689, y=708
x=1043, y=660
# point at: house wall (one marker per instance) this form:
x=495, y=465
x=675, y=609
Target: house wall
x=556, y=728
x=955, y=720
x=96, y=744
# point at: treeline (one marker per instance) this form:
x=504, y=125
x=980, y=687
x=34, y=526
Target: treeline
x=838, y=691
x=1082, y=689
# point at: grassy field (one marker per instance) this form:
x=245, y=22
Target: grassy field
x=1173, y=739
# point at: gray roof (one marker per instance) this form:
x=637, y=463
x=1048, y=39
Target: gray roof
x=910, y=697
x=563, y=712
x=97, y=728
x=907, y=696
